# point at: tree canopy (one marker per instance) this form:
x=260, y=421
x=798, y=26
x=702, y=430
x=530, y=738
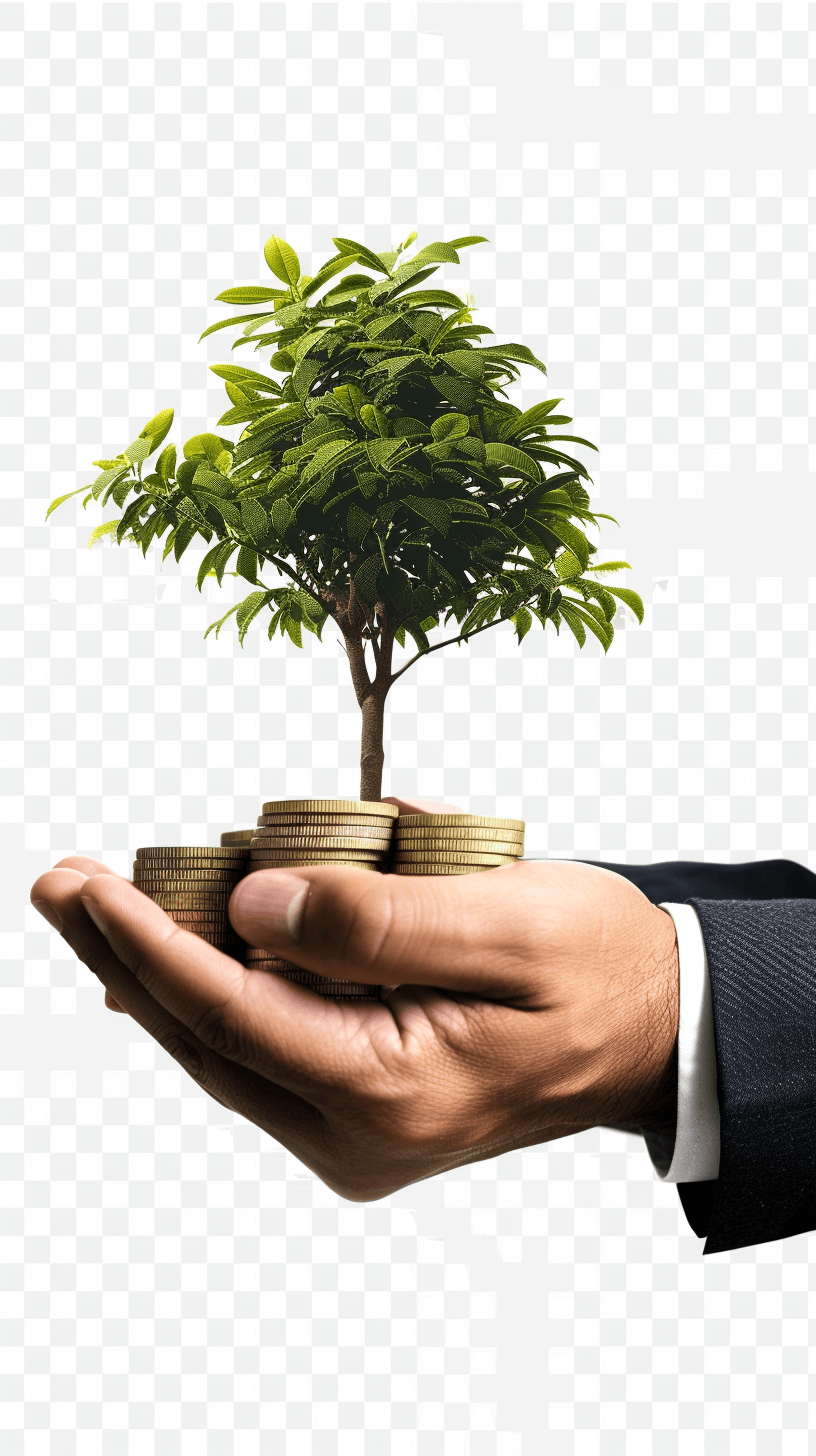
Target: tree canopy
x=385, y=479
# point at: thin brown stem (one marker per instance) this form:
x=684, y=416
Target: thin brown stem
x=436, y=646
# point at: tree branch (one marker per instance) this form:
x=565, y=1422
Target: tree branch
x=282, y=566
x=436, y=646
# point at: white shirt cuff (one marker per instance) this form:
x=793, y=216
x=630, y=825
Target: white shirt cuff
x=696, y=1157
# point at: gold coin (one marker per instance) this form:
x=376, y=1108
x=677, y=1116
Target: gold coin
x=423, y=856
x=199, y=920
x=231, y=837
x=321, y=831
x=219, y=913
x=205, y=851
x=461, y=846
x=320, y=841
x=457, y=831
x=185, y=879
x=316, y=856
x=331, y=806
x=297, y=861
x=193, y=862
x=217, y=938
x=439, y=869
x=407, y=821
x=372, y=848
x=188, y=899
x=189, y=862
x=316, y=821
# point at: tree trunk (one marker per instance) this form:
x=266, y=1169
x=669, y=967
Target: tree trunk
x=371, y=694
x=372, y=754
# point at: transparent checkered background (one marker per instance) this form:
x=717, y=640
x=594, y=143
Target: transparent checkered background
x=175, y=1283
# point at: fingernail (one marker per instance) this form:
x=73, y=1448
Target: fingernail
x=48, y=913
x=270, y=906
x=95, y=915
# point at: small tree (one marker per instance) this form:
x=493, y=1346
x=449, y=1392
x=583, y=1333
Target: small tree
x=387, y=481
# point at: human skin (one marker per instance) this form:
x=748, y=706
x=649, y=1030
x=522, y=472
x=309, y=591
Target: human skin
x=531, y=1002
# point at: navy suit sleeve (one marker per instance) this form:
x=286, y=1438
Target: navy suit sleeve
x=759, y=927
x=762, y=963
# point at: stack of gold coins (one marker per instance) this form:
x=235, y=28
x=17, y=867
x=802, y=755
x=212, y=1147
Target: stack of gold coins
x=305, y=832
x=193, y=885
x=454, y=844
x=322, y=831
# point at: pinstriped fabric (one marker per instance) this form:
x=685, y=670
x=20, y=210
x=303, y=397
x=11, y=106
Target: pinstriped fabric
x=762, y=959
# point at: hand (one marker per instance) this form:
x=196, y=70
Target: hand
x=534, y=1001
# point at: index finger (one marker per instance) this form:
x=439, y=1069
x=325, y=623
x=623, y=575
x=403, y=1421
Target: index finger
x=275, y=1028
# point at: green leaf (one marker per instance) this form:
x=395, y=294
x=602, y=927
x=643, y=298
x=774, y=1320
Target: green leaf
x=571, y=537
x=240, y=376
x=573, y=620
x=138, y=451
x=522, y=621
x=250, y=294
x=254, y=519
x=435, y=511
x=292, y=625
x=374, y=419
x=305, y=375
x=436, y=253
x=513, y=352
x=210, y=446
x=610, y=566
x=579, y=617
x=247, y=565
x=282, y=360
x=467, y=242
x=282, y=260
x=166, y=463
x=534, y=418
x=358, y=524
x=408, y=276
x=380, y=451
x=417, y=631
x=631, y=598
x=248, y=610
x=465, y=361
x=230, y=323
x=365, y=577
x=215, y=561
x=450, y=427
x=484, y=612
x=105, y=530
x=334, y=265
x=282, y=516
x=360, y=251
x=327, y=458
x=517, y=461
x=157, y=429
x=437, y=297
x=567, y=566
x=182, y=536
x=61, y=499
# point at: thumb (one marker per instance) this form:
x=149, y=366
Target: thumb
x=464, y=933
